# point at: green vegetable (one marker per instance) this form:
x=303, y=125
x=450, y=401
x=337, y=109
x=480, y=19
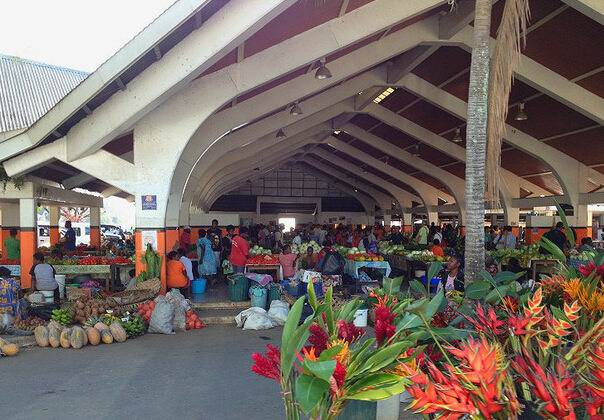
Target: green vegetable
x=62, y=316
x=134, y=326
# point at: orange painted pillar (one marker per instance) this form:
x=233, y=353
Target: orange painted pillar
x=54, y=232
x=582, y=232
x=55, y=235
x=95, y=227
x=29, y=243
x=172, y=236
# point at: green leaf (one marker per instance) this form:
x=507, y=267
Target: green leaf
x=418, y=287
x=478, y=289
x=330, y=353
x=496, y=294
x=392, y=285
x=312, y=297
x=487, y=276
x=383, y=357
x=293, y=336
x=552, y=248
x=328, y=301
x=309, y=391
x=359, y=354
x=322, y=369
x=418, y=307
x=433, y=271
x=380, y=393
x=373, y=380
x=570, y=235
x=436, y=303
x=408, y=322
x=508, y=277
x=347, y=311
x=293, y=319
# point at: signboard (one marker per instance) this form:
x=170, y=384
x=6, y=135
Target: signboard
x=149, y=237
x=149, y=202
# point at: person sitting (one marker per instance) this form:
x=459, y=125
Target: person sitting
x=177, y=274
x=288, y=262
x=396, y=237
x=437, y=250
x=452, y=277
x=309, y=260
x=330, y=261
x=587, y=245
x=182, y=257
x=43, y=276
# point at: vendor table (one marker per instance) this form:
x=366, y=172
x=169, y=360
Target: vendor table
x=15, y=270
x=542, y=266
x=352, y=267
x=264, y=268
x=398, y=262
x=110, y=273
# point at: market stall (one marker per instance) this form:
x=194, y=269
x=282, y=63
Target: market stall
x=265, y=264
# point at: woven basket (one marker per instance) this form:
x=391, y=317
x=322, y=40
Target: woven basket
x=141, y=292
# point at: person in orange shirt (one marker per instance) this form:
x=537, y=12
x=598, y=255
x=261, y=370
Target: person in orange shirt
x=437, y=249
x=177, y=274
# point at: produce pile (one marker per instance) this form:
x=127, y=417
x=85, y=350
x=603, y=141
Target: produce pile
x=303, y=247
x=193, y=321
x=145, y=310
x=387, y=248
x=8, y=349
x=258, y=250
x=263, y=260
x=152, y=262
x=90, y=260
x=6, y=261
x=29, y=324
x=57, y=335
x=84, y=308
x=524, y=255
x=354, y=254
x=425, y=256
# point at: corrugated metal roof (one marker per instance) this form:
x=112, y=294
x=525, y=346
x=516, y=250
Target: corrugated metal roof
x=28, y=89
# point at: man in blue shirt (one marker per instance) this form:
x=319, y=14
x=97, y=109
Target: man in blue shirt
x=69, y=240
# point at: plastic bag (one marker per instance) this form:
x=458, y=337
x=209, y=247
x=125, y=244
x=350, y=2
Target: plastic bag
x=278, y=312
x=254, y=318
x=181, y=305
x=162, y=318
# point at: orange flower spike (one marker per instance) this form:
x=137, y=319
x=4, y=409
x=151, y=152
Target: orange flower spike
x=310, y=355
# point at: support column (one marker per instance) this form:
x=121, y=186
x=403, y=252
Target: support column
x=512, y=218
x=54, y=230
x=27, y=221
x=387, y=219
x=582, y=225
x=95, y=227
x=160, y=248
x=10, y=220
x=432, y=217
x=407, y=223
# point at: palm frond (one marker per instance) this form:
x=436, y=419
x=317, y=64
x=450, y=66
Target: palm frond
x=505, y=60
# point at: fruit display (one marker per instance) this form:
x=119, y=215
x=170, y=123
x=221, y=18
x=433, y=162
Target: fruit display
x=8, y=349
x=85, y=308
x=263, y=260
x=56, y=335
x=62, y=316
x=134, y=326
x=583, y=256
x=193, y=321
x=364, y=256
x=258, y=250
x=29, y=324
x=387, y=248
x=524, y=255
x=90, y=260
x=145, y=310
x=302, y=248
x=425, y=256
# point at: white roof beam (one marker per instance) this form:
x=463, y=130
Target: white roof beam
x=593, y=9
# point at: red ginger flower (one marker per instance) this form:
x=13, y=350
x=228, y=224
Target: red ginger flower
x=268, y=365
x=486, y=322
x=318, y=338
x=587, y=269
x=384, y=322
x=336, y=382
x=349, y=332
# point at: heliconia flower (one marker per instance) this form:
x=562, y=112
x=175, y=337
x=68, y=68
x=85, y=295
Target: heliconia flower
x=589, y=268
x=268, y=365
x=510, y=304
x=572, y=287
x=310, y=354
x=518, y=325
x=572, y=310
x=486, y=323
x=344, y=352
x=553, y=285
x=318, y=338
x=348, y=331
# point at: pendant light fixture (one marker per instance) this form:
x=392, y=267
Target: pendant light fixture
x=415, y=151
x=457, y=137
x=521, y=114
x=296, y=110
x=322, y=72
x=281, y=134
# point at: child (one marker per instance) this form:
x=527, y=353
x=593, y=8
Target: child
x=288, y=262
x=437, y=250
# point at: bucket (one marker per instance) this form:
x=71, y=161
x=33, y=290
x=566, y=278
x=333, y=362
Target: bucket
x=238, y=287
x=258, y=296
x=49, y=295
x=60, y=279
x=360, y=318
x=198, y=286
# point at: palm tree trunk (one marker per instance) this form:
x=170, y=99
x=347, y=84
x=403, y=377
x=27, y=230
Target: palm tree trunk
x=476, y=142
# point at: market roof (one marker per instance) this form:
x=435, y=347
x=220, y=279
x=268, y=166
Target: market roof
x=28, y=89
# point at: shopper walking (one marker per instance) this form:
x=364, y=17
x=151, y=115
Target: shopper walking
x=12, y=246
x=205, y=255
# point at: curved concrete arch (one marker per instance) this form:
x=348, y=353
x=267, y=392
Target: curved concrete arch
x=199, y=131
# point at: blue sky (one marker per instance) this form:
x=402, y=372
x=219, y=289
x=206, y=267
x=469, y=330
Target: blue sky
x=78, y=34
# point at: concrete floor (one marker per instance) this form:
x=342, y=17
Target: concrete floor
x=203, y=374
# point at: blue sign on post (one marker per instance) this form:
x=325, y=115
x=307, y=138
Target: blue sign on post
x=149, y=202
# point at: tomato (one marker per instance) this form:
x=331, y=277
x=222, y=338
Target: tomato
x=198, y=324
